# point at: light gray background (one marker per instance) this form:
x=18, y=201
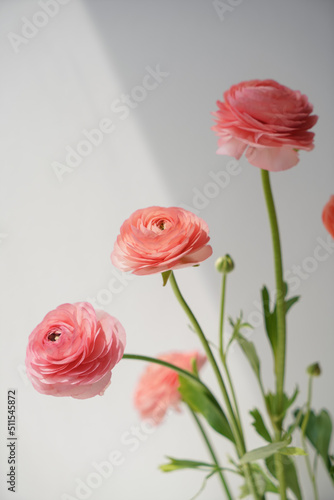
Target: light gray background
x=56, y=237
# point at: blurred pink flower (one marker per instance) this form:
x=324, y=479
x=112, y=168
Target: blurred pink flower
x=267, y=120
x=73, y=350
x=328, y=216
x=157, y=389
x=157, y=239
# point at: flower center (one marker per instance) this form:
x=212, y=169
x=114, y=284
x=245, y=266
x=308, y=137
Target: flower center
x=162, y=225
x=54, y=336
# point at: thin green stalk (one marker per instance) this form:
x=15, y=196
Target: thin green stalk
x=221, y=351
x=158, y=361
x=238, y=436
x=221, y=322
x=213, y=455
x=280, y=322
x=303, y=431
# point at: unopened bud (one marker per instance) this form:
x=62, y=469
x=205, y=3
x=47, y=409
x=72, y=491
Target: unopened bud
x=314, y=370
x=224, y=264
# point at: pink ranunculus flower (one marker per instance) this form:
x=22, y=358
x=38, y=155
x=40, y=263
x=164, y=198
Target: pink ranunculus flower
x=73, y=350
x=328, y=216
x=157, y=239
x=157, y=390
x=268, y=121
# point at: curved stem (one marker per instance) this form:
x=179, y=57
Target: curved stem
x=238, y=436
x=280, y=320
x=212, y=453
x=208, y=352
x=161, y=362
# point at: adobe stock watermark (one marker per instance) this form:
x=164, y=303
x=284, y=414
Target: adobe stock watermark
x=116, y=284
x=296, y=275
x=223, y=7
x=130, y=441
x=121, y=108
x=211, y=189
x=31, y=27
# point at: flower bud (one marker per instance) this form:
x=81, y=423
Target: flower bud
x=224, y=264
x=314, y=370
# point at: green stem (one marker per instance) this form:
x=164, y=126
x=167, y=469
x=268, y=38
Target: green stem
x=303, y=430
x=207, y=349
x=279, y=467
x=158, y=361
x=223, y=355
x=221, y=322
x=280, y=321
x=213, y=455
x=280, y=306
x=238, y=436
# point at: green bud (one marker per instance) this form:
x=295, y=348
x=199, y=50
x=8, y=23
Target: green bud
x=314, y=370
x=224, y=264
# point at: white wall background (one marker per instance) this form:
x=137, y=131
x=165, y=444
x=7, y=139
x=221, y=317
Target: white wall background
x=56, y=237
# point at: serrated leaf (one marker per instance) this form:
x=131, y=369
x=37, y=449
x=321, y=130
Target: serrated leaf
x=259, y=425
x=290, y=473
x=272, y=403
x=318, y=431
x=202, y=401
x=165, y=277
x=263, y=452
x=176, y=464
x=270, y=317
x=237, y=326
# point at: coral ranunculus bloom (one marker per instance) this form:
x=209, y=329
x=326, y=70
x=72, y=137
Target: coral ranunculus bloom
x=157, y=390
x=328, y=216
x=268, y=121
x=157, y=239
x=73, y=350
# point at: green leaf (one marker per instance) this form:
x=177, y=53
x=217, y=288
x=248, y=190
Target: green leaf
x=270, y=317
x=289, y=303
x=292, y=450
x=298, y=419
x=165, y=277
x=247, y=347
x=176, y=464
x=202, y=401
x=262, y=481
x=237, y=326
x=250, y=353
x=287, y=402
x=290, y=473
x=263, y=452
x=259, y=425
x=318, y=431
x=272, y=403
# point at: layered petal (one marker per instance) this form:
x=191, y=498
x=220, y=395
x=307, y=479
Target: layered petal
x=73, y=350
x=157, y=239
x=157, y=390
x=258, y=116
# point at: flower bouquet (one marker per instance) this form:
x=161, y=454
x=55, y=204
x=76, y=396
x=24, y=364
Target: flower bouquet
x=74, y=349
